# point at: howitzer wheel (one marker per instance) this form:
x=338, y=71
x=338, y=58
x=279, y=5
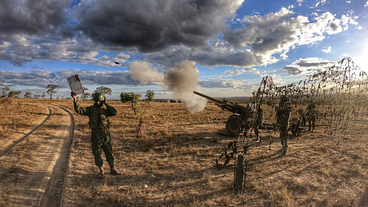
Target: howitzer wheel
x=234, y=125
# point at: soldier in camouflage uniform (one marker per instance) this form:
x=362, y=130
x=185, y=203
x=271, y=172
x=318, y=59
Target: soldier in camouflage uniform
x=302, y=117
x=257, y=122
x=98, y=114
x=283, y=115
x=311, y=114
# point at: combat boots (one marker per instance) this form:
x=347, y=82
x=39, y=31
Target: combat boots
x=101, y=173
x=113, y=171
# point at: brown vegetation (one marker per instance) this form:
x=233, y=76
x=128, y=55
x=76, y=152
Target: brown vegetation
x=170, y=161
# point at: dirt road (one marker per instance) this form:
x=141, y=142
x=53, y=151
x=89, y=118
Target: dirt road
x=34, y=159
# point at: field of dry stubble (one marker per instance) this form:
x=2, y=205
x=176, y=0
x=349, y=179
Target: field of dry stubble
x=169, y=160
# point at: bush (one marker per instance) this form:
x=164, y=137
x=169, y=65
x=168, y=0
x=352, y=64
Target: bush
x=130, y=97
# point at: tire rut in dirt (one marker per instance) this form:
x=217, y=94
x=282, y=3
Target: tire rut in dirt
x=33, y=170
x=10, y=147
x=54, y=192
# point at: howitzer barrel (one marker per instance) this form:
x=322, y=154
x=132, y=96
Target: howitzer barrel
x=207, y=97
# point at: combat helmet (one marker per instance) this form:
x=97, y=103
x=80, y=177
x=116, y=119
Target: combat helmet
x=98, y=96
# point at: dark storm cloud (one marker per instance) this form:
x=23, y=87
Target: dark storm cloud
x=263, y=33
x=213, y=56
x=156, y=24
x=217, y=57
x=40, y=17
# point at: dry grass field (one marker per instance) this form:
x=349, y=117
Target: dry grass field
x=170, y=160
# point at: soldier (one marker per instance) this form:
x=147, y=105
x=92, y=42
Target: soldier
x=98, y=114
x=302, y=117
x=311, y=114
x=257, y=122
x=283, y=115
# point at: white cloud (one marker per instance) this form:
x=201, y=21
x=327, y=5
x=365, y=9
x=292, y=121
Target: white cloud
x=366, y=4
x=322, y=2
x=299, y=2
x=4, y=46
x=277, y=33
x=222, y=83
x=346, y=20
x=308, y=65
x=230, y=73
x=328, y=50
x=348, y=1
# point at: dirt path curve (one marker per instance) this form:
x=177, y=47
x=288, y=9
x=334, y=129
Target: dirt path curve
x=32, y=172
x=20, y=135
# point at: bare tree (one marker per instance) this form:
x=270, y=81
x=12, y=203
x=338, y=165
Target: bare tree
x=52, y=89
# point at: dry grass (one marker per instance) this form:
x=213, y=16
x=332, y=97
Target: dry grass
x=171, y=162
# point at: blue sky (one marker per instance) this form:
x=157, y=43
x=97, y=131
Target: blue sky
x=231, y=44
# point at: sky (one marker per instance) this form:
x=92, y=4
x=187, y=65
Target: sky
x=132, y=45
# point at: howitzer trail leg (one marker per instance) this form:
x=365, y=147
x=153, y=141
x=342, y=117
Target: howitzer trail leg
x=239, y=173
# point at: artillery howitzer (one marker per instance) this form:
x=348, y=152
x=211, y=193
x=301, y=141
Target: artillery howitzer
x=238, y=121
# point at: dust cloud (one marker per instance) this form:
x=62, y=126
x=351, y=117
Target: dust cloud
x=181, y=80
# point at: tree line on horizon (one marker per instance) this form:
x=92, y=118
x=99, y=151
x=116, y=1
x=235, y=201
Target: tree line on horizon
x=52, y=90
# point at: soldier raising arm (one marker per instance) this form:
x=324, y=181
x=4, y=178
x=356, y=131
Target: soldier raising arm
x=99, y=123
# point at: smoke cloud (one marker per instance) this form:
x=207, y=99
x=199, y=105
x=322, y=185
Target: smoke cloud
x=182, y=80
x=145, y=74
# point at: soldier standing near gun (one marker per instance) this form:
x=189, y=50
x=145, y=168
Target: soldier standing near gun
x=311, y=114
x=302, y=117
x=283, y=115
x=257, y=122
x=98, y=114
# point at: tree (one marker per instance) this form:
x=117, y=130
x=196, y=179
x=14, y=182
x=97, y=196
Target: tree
x=104, y=90
x=150, y=95
x=36, y=96
x=27, y=95
x=43, y=95
x=14, y=94
x=130, y=97
x=5, y=90
x=52, y=89
x=85, y=95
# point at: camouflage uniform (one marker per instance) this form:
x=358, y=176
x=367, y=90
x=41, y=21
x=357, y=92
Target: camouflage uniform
x=99, y=124
x=283, y=115
x=311, y=114
x=302, y=117
x=257, y=122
